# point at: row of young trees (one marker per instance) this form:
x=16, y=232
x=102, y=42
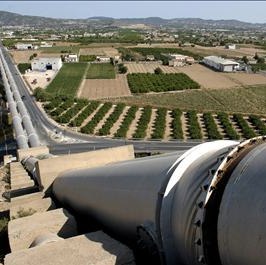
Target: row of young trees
x=72, y=112
x=64, y=110
x=194, y=127
x=176, y=125
x=130, y=116
x=105, y=130
x=211, y=127
x=143, y=123
x=93, y=105
x=247, y=131
x=227, y=125
x=258, y=123
x=63, y=107
x=159, y=124
x=90, y=126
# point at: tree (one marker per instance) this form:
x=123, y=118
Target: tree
x=122, y=69
x=260, y=60
x=245, y=59
x=158, y=71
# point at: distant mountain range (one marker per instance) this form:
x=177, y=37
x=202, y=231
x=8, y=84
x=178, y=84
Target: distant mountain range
x=13, y=19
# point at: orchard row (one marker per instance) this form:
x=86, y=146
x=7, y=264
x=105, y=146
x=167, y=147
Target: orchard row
x=121, y=121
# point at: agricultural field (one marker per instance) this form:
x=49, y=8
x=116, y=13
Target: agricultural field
x=68, y=79
x=100, y=71
x=104, y=88
x=104, y=51
x=144, y=83
x=60, y=49
x=205, y=51
x=207, y=78
x=242, y=100
x=107, y=119
x=142, y=67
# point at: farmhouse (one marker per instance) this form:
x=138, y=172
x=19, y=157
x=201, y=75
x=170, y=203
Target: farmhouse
x=43, y=64
x=71, y=58
x=230, y=46
x=103, y=59
x=221, y=64
x=150, y=57
x=179, y=60
x=24, y=46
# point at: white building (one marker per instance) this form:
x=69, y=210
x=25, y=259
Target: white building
x=24, y=46
x=103, y=59
x=180, y=60
x=230, y=46
x=71, y=58
x=43, y=64
x=221, y=64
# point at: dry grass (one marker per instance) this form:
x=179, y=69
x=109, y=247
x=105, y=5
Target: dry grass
x=105, y=51
x=242, y=100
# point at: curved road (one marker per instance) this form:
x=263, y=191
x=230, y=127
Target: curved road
x=43, y=126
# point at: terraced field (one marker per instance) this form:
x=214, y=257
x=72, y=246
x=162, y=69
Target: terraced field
x=107, y=119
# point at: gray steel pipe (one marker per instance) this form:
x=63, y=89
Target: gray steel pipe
x=26, y=121
x=22, y=140
x=206, y=206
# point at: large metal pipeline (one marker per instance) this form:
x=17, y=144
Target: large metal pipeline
x=21, y=138
x=206, y=206
x=26, y=121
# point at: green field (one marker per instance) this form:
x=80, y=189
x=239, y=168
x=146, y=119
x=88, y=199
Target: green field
x=241, y=100
x=61, y=49
x=101, y=71
x=143, y=83
x=68, y=79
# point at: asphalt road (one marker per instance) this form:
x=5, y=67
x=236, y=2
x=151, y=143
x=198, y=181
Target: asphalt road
x=44, y=126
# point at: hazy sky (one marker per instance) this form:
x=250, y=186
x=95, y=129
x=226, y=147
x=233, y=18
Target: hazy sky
x=250, y=11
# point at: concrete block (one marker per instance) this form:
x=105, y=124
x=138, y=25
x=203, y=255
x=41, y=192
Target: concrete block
x=48, y=169
x=18, y=184
x=90, y=249
x=33, y=151
x=23, y=231
x=35, y=206
x=26, y=198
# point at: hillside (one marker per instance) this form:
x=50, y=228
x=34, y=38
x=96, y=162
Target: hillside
x=13, y=19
